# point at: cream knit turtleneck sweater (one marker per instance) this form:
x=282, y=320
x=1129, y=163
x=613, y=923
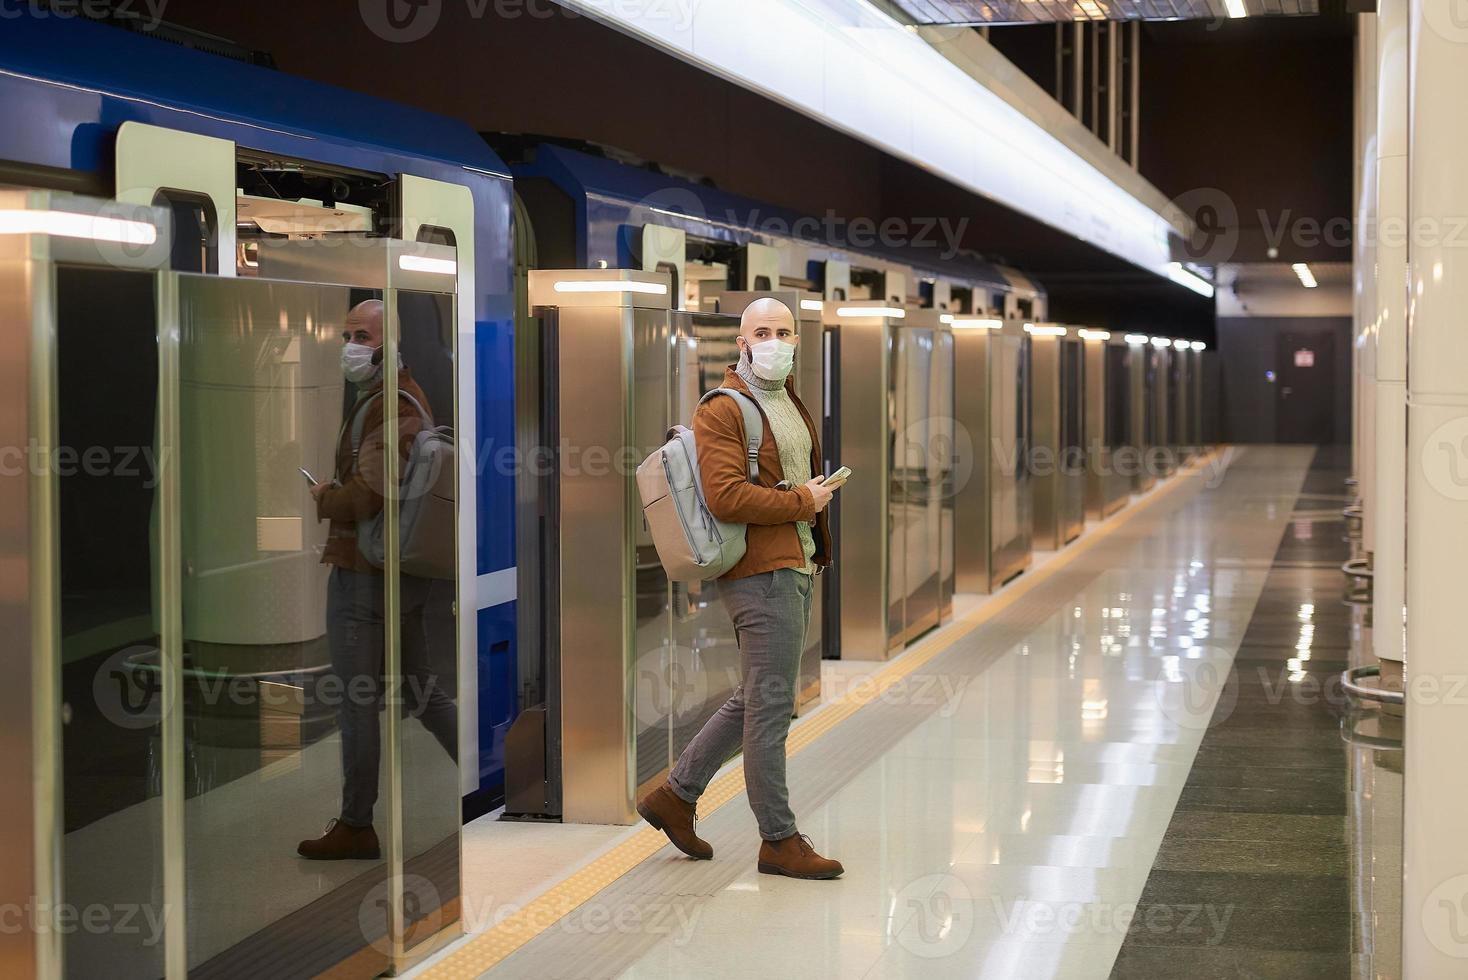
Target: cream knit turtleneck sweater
x=792, y=438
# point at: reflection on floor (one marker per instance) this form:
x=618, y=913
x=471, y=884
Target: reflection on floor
x=1252, y=876
x=1001, y=811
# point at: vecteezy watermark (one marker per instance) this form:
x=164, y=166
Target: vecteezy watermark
x=147, y=14
x=933, y=916
x=1198, y=693
x=674, y=918
x=941, y=234
x=96, y=918
x=406, y=21
x=1032, y=919
x=1448, y=19
x=671, y=683
x=940, y=450
x=1445, y=916
x=127, y=462
x=922, y=690
x=423, y=912
x=1444, y=459
x=128, y=686
x=1215, y=231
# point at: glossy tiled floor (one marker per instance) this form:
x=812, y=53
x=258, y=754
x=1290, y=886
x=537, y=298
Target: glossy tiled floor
x=1001, y=814
x=1258, y=845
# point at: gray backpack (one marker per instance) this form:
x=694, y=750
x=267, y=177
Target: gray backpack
x=427, y=536
x=692, y=543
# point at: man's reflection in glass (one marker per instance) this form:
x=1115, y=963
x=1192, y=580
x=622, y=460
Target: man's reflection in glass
x=355, y=595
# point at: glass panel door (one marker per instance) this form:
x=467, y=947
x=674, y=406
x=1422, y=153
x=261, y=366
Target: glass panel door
x=427, y=623
x=106, y=469
x=652, y=706
x=704, y=666
x=283, y=631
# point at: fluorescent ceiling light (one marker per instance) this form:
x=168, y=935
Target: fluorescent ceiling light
x=811, y=305
x=1161, y=342
x=1046, y=329
x=1180, y=345
x=976, y=323
x=611, y=286
x=1235, y=8
x=1307, y=278
x=422, y=263
x=1085, y=333
x=69, y=224
x=890, y=312
x=1198, y=345
x=856, y=69
x=1136, y=339
x=1192, y=280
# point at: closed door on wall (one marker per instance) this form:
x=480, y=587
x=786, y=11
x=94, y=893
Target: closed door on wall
x=1306, y=388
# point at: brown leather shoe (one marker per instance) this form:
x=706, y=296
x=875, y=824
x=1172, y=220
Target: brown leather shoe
x=668, y=812
x=342, y=842
x=795, y=857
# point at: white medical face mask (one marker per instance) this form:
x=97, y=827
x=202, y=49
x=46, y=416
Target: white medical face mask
x=357, y=363
x=772, y=359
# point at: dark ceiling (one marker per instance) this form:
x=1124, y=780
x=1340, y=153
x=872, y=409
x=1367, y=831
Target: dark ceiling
x=1259, y=110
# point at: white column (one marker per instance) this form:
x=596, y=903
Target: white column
x=1390, y=443
x=1365, y=274
x=1435, y=892
x=1364, y=132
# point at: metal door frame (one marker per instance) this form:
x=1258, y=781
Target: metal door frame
x=39, y=231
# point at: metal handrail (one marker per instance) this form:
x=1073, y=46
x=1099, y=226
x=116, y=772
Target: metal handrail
x=1350, y=736
x=1355, y=512
x=1358, y=568
x=1351, y=675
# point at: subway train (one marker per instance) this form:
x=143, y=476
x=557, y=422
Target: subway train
x=560, y=306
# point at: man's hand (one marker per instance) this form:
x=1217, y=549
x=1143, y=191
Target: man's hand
x=318, y=490
x=820, y=493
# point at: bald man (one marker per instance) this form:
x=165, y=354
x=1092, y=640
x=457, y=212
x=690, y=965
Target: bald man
x=767, y=594
x=354, y=595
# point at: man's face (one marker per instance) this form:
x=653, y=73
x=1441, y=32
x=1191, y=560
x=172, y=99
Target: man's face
x=363, y=326
x=767, y=326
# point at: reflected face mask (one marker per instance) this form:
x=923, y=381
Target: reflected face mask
x=772, y=359
x=357, y=363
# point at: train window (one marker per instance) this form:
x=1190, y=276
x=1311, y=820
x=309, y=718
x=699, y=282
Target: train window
x=866, y=284
x=1026, y=308
x=762, y=283
x=437, y=235
x=195, y=230
x=961, y=300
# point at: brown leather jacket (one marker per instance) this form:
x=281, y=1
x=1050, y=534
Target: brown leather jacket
x=771, y=541
x=358, y=495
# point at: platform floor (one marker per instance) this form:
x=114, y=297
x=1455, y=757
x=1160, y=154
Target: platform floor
x=1108, y=770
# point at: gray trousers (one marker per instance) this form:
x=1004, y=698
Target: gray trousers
x=354, y=631
x=770, y=612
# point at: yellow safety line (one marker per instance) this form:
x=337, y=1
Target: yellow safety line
x=483, y=952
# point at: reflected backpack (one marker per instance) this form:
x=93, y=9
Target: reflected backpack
x=692, y=543
x=427, y=537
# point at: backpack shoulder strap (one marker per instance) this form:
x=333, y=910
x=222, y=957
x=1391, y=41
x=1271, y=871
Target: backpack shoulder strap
x=356, y=422
x=422, y=412
x=754, y=427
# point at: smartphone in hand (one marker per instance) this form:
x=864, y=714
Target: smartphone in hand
x=835, y=480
